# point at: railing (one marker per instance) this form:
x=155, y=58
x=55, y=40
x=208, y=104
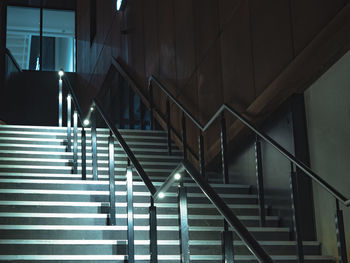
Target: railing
x=218, y=202
x=76, y=117
x=199, y=178
x=339, y=198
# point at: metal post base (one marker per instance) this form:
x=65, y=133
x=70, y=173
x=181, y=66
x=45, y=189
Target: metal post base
x=227, y=247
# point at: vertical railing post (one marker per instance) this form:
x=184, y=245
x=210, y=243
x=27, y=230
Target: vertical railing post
x=151, y=104
x=184, y=137
x=112, y=219
x=131, y=238
x=260, y=181
x=131, y=109
x=296, y=215
x=340, y=230
x=122, y=107
x=75, y=142
x=69, y=123
x=83, y=154
x=168, y=125
x=153, y=237
x=201, y=154
x=224, y=149
x=142, y=116
x=94, y=145
x=60, y=103
x=227, y=247
x=183, y=224
x=227, y=235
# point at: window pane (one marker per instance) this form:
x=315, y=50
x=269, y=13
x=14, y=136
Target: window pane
x=58, y=40
x=23, y=32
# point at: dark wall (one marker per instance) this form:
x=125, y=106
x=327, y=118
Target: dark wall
x=287, y=127
x=31, y=98
x=2, y=44
x=54, y=4
x=276, y=168
x=206, y=52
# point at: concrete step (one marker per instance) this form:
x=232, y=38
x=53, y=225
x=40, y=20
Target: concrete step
x=145, y=258
x=82, y=232
x=14, y=161
x=104, y=185
x=112, y=247
x=100, y=207
x=49, y=218
x=145, y=137
x=43, y=169
x=101, y=156
x=25, y=129
x=103, y=196
x=17, y=141
x=136, y=149
x=102, y=176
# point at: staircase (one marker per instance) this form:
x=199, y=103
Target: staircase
x=48, y=214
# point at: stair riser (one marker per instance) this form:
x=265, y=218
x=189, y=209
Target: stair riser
x=62, y=130
x=101, y=147
x=100, y=150
x=119, y=185
x=63, y=133
x=104, y=221
x=69, y=163
x=167, y=260
x=67, y=170
x=105, y=198
x=140, y=249
x=77, y=177
x=122, y=235
x=100, y=138
x=143, y=210
x=69, y=157
x=92, y=197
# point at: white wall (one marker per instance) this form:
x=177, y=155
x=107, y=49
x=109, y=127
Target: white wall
x=328, y=118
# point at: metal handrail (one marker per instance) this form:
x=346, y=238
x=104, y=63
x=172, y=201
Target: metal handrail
x=218, y=202
x=74, y=97
x=232, y=220
x=243, y=233
x=8, y=52
x=315, y=177
x=145, y=178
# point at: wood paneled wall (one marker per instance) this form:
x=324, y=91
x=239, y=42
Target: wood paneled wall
x=208, y=52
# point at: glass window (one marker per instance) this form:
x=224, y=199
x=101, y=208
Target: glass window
x=58, y=40
x=23, y=35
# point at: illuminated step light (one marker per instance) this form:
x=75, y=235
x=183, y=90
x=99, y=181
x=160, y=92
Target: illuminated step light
x=61, y=73
x=120, y=5
x=86, y=122
x=177, y=176
x=161, y=195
